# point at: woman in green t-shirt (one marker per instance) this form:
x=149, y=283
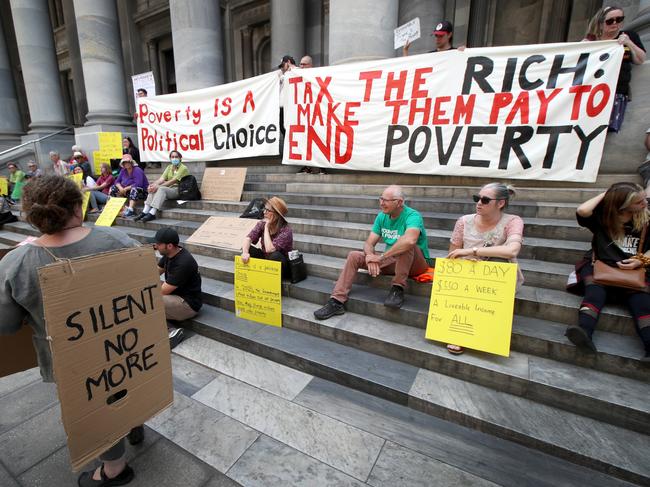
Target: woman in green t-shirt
x=164, y=188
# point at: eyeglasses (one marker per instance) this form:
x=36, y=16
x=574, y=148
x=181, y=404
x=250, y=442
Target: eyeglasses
x=271, y=210
x=617, y=20
x=484, y=199
x=387, y=200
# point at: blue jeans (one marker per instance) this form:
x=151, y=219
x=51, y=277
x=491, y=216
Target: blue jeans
x=97, y=197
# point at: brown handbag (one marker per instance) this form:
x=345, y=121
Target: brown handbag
x=607, y=275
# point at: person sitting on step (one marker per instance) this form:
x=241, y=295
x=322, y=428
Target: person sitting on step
x=181, y=289
x=618, y=219
x=406, y=254
x=131, y=183
x=164, y=188
x=488, y=234
x=99, y=192
x=273, y=232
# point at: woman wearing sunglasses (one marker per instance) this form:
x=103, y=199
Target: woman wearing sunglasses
x=606, y=25
x=488, y=234
x=273, y=232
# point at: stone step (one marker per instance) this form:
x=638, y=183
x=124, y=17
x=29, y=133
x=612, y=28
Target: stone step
x=313, y=425
x=580, y=439
x=552, y=228
x=556, y=305
x=342, y=185
x=525, y=209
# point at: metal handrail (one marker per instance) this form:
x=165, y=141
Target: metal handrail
x=24, y=144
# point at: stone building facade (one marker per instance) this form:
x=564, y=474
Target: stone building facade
x=69, y=62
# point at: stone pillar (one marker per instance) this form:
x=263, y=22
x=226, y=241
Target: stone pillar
x=101, y=60
x=641, y=23
x=11, y=126
x=198, y=50
x=247, y=51
x=35, y=42
x=287, y=30
x=351, y=40
x=430, y=13
x=72, y=38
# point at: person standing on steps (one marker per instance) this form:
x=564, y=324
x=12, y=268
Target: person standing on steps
x=618, y=220
x=406, y=254
x=181, y=289
x=53, y=205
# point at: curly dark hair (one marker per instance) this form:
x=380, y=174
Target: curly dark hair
x=50, y=201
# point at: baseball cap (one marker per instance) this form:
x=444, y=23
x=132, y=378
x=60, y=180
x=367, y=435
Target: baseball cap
x=285, y=59
x=443, y=27
x=165, y=236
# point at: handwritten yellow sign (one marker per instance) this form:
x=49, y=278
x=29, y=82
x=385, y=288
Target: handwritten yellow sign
x=4, y=187
x=110, y=212
x=99, y=158
x=472, y=304
x=77, y=178
x=258, y=293
x=110, y=143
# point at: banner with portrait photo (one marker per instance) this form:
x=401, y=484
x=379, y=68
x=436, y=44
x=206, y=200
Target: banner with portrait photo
x=524, y=112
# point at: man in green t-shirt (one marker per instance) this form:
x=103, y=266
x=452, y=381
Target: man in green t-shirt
x=406, y=254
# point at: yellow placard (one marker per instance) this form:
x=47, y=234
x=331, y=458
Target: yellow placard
x=4, y=187
x=84, y=203
x=472, y=304
x=110, y=143
x=77, y=178
x=258, y=291
x=109, y=213
x=99, y=157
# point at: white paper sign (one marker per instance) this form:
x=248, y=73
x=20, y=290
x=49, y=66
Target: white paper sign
x=144, y=81
x=407, y=32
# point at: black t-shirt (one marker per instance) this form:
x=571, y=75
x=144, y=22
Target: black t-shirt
x=606, y=250
x=182, y=271
x=625, y=75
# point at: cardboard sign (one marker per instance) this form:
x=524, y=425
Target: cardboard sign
x=4, y=187
x=258, y=291
x=105, y=318
x=16, y=351
x=223, y=232
x=111, y=210
x=84, y=203
x=223, y=183
x=407, y=32
x=493, y=112
x=472, y=304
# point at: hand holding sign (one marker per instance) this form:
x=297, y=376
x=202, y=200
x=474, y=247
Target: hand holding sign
x=407, y=32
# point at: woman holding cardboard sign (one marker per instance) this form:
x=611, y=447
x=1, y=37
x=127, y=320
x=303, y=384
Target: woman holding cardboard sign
x=619, y=256
x=274, y=233
x=488, y=234
x=53, y=205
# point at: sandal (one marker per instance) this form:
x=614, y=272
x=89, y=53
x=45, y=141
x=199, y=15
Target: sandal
x=455, y=349
x=86, y=478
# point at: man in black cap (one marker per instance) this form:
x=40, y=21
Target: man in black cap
x=181, y=290
x=444, y=33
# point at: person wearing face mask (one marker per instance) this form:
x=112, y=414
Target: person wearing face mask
x=164, y=188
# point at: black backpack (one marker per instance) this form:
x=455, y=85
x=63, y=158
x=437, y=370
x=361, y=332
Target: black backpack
x=255, y=209
x=188, y=189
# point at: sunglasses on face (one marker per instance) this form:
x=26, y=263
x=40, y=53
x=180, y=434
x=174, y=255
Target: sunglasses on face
x=613, y=20
x=484, y=199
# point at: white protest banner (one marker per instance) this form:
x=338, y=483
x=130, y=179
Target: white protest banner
x=228, y=121
x=144, y=81
x=524, y=112
x=407, y=32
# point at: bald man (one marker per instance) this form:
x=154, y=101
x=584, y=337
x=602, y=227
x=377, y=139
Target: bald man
x=406, y=254
x=306, y=62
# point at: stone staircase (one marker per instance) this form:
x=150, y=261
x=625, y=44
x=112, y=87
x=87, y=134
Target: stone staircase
x=563, y=406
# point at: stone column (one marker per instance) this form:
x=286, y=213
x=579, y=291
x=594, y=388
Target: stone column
x=198, y=50
x=247, y=51
x=287, y=30
x=101, y=60
x=353, y=40
x=72, y=38
x=641, y=23
x=430, y=13
x=35, y=42
x=10, y=122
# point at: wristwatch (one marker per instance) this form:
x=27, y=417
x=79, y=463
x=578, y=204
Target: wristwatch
x=475, y=251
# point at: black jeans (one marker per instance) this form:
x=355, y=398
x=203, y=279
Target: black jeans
x=277, y=256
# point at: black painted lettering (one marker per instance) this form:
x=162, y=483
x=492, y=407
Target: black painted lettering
x=553, y=132
x=470, y=143
x=478, y=69
x=146, y=357
x=513, y=139
x=392, y=140
x=71, y=324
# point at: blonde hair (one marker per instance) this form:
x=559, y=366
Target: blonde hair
x=595, y=27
